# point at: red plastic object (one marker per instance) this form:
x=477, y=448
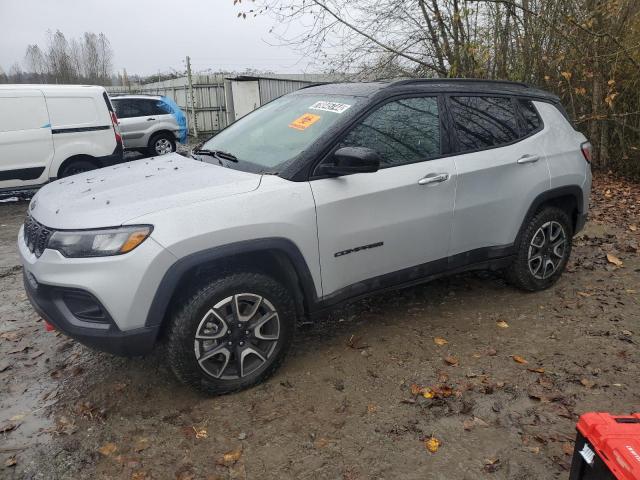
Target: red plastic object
x=616, y=440
x=48, y=326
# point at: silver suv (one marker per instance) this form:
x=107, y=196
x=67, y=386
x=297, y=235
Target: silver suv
x=322, y=196
x=150, y=124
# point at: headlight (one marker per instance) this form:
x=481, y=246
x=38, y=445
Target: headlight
x=99, y=243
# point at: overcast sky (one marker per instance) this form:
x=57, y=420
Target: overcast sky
x=151, y=35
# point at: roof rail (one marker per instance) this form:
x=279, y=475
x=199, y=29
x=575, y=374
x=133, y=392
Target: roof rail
x=458, y=80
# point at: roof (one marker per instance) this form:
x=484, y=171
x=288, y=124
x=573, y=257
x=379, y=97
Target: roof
x=117, y=96
x=453, y=85
x=48, y=87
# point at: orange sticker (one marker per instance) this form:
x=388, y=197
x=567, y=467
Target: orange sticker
x=305, y=121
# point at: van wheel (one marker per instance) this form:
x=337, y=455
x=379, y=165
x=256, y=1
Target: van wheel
x=76, y=166
x=232, y=333
x=543, y=250
x=161, y=144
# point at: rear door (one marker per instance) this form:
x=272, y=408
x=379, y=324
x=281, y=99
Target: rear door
x=502, y=166
x=134, y=119
x=384, y=225
x=26, y=145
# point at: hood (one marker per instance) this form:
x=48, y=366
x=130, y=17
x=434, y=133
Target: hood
x=115, y=195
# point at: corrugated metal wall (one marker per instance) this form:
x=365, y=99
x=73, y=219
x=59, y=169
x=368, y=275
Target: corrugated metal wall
x=212, y=98
x=271, y=89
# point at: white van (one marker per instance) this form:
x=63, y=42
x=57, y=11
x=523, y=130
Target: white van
x=53, y=131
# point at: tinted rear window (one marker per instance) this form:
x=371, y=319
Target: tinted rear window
x=483, y=122
x=530, y=117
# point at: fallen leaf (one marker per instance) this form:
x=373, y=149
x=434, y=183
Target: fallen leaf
x=139, y=475
x=141, y=444
x=502, y=324
x=519, y=359
x=567, y=448
x=470, y=423
x=439, y=341
x=372, y=408
x=416, y=389
x=587, y=383
x=432, y=444
x=491, y=465
x=451, y=360
x=614, y=260
x=536, y=370
x=200, y=432
x=231, y=457
x=633, y=228
x=321, y=443
x=108, y=449
x=10, y=462
x=492, y=352
x=584, y=294
x=8, y=427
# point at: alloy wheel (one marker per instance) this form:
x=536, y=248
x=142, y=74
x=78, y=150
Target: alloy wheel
x=237, y=336
x=163, y=146
x=547, y=250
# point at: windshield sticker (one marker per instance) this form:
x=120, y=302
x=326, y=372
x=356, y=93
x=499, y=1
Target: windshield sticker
x=330, y=107
x=305, y=121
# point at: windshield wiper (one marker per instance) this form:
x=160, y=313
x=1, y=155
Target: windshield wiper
x=217, y=154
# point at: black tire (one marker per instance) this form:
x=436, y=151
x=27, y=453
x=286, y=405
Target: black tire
x=158, y=141
x=526, y=271
x=191, y=319
x=76, y=166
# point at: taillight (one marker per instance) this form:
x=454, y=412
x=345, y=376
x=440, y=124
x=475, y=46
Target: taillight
x=116, y=127
x=587, y=151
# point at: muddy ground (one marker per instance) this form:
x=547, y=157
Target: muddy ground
x=342, y=406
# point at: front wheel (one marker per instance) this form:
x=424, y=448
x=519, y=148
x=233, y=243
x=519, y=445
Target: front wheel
x=232, y=333
x=543, y=250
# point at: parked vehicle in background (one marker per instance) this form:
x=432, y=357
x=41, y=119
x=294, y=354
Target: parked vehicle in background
x=150, y=124
x=53, y=131
x=319, y=197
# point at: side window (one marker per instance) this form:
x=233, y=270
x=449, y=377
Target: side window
x=483, y=122
x=159, y=108
x=152, y=107
x=532, y=120
x=403, y=131
x=128, y=108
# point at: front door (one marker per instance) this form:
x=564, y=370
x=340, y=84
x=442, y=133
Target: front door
x=393, y=225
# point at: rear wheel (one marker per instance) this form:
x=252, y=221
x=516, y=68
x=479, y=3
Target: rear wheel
x=232, y=333
x=543, y=250
x=161, y=144
x=76, y=166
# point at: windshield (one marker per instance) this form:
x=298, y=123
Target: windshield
x=280, y=130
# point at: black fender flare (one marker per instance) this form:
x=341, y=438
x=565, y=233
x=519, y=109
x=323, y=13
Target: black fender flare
x=172, y=277
x=564, y=191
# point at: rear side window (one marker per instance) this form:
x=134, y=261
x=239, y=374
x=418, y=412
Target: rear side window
x=531, y=120
x=483, y=122
x=403, y=131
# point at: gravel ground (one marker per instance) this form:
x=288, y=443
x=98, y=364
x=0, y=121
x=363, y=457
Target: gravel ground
x=509, y=374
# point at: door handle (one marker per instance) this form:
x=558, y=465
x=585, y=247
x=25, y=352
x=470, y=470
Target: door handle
x=150, y=119
x=433, y=178
x=528, y=159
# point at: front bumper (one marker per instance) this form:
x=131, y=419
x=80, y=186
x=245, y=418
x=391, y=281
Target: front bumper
x=49, y=301
x=122, y=287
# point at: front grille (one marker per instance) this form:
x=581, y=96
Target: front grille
x=36, y=236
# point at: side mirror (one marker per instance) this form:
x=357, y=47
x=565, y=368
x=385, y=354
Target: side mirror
x=348, y=160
